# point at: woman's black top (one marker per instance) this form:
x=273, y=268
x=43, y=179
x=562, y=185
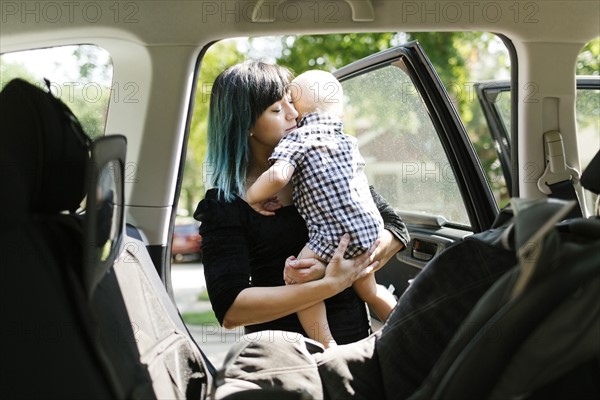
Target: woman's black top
x=242, y=248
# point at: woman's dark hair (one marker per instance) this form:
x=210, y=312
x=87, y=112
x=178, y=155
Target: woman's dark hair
x=239, y=95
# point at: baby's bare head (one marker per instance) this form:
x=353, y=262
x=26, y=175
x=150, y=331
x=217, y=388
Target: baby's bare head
x=317, y=91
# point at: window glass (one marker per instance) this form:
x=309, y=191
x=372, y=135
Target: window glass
x=81, y=76
x=477, y=57
x=587, y=109
x=588, y=101
x=404, y=158
x=588, y=124
x=503, y=106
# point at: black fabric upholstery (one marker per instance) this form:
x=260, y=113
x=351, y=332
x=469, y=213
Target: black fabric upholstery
x=520, y=346
x=48, y=349
x=590, y=179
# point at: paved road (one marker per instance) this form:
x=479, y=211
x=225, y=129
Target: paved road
x=188, y=282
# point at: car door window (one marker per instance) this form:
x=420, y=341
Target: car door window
x=81, y=76
x=417, y=151
x=587, y=107
x=405, y=160
x=494, y=97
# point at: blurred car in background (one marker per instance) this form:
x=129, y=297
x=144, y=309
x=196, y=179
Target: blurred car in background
x=187, y=242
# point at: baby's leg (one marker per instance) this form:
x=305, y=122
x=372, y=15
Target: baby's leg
x=314, y=319
x=381, y=301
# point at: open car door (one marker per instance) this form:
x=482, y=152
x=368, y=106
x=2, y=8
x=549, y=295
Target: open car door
x=418, y=155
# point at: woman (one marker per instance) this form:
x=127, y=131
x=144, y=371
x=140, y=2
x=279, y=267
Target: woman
x=244, y=253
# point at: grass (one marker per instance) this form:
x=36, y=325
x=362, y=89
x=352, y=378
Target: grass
x=199, y=318
x=203, y=296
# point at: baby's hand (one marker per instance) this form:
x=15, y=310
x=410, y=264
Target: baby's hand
x=267, y=207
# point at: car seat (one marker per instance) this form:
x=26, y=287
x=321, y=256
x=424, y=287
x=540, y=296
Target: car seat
x=48, y=347
x=539, y=324
x=87, y=314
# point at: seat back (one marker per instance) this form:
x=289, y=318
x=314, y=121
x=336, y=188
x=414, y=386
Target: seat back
x=48, y=346
x=85, y=315
x=526, y=339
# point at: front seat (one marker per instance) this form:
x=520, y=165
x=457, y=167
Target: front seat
x=84, y=315
x=48, y=347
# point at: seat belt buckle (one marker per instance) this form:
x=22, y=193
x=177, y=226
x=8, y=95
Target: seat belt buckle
x=556, y=169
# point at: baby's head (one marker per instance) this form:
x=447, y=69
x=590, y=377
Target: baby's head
x=317, y=91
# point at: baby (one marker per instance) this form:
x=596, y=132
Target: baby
x=330, y=190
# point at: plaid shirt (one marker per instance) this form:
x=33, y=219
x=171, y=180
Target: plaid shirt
x=331, y=190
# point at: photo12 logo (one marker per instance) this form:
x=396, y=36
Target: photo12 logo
x=269, y=11
x=52, y=12
x=470, y=11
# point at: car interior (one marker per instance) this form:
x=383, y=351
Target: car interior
x=99, y=159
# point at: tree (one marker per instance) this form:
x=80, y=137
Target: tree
x=80, y=76
x=588, y=61
x=10, y=71
x=218, y=57
x=459, y=58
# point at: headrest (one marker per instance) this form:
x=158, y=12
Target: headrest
x=590, y=179
x=43, y=152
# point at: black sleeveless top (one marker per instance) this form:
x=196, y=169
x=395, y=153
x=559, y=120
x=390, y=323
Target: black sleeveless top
x=242, y=248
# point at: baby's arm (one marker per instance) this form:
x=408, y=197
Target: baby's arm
x=268, y=184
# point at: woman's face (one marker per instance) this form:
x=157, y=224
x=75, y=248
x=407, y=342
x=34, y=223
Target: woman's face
x=275, y=122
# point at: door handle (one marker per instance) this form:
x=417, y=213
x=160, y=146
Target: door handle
x=423, y=250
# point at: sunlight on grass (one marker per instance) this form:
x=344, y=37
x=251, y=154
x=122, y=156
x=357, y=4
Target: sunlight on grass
x=199, y=318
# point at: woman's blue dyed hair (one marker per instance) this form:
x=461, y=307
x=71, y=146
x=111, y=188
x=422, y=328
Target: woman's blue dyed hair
x=239, y=95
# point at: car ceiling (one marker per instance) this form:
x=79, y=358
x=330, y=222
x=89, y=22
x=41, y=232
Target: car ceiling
x=199, y=22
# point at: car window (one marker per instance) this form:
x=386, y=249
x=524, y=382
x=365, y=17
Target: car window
x=404, y=158
x=485, y=59
x=587, y=110
x=473, y=56
x=587, y=105
x=81, y=76
x=502, y=103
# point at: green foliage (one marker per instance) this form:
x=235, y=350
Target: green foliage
x=199, y=318
x=79, y=81
x=10, y=71
x=459, y=58
x=220, y=56
x=588, y=61
x=330, y=52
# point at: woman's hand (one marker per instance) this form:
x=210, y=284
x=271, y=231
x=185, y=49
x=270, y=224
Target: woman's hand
x=344, y=272
x=389, y=245
x=302, y=270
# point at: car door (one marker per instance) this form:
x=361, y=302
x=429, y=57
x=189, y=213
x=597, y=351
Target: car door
x=418, y=155
x=494, y=98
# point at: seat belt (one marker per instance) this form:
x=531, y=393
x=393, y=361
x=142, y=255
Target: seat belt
x=559, y=180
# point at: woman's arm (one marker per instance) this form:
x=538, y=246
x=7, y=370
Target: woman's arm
x=262, y=304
